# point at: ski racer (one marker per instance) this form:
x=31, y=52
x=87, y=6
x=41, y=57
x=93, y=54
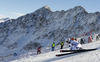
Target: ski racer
x=74, y=45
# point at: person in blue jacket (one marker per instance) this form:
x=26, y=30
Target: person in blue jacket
x=15, y=54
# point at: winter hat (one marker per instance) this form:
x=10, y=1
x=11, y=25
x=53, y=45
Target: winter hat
x=76, y=39
x=72, y=39
x=68, y=40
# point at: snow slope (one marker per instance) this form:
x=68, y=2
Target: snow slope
x=92, y=56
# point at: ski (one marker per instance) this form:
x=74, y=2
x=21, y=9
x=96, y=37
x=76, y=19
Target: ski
x=64, y=54
x=77, y=50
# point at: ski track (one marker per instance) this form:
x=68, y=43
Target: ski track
x=90, y=56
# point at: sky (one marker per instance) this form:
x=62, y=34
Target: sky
x=16, y=8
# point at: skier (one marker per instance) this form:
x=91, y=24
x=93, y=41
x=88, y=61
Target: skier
x=74, y=45
x=15, y=54
x=62, y=44
x=53, y=46
x=39, y=50
x=82, y=40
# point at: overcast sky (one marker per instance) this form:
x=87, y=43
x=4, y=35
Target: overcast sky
x=17, y=8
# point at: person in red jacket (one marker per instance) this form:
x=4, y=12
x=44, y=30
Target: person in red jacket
x=39, y=50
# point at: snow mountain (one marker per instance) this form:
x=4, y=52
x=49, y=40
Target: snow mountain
x=4, y=19
x=43, y=26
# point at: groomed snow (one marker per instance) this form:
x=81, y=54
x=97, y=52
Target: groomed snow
x=92, y=56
